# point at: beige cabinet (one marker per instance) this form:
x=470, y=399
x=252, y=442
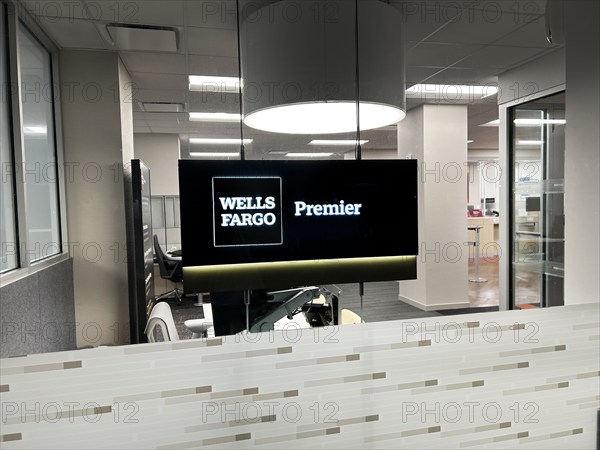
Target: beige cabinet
x=488, y=235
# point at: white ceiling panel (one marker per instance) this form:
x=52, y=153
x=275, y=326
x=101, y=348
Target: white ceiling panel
x=531, y=35
x=211, y=14
x=213, y=102
x=434, y=54
x=500, y=57
x=415, y=75
x=74, y=34
x=475, y=30
x=518, y=11
x=169, y=118
x=154, y=62
x=211, y=42
x=160, y=95
x=213, y=65
x=145, y=80
x=143, y=12
x=166, y=129
x=458, y=75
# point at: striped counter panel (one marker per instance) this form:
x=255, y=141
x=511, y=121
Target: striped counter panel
x=508, y=379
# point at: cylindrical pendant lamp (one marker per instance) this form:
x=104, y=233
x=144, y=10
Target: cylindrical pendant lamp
x=301, y=63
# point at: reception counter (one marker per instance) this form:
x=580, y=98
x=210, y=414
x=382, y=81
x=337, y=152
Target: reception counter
x=512, y=379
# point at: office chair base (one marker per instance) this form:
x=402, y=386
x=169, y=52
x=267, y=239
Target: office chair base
x=174, y=293
x=200, y=300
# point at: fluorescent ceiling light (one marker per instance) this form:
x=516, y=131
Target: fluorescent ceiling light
x=526, y=142
x=219, y=141
x=35, y=131
x=533, y=122
x=214, y=154
x=308, y=155
x=336, y=142
x=214, y=84
x=214, y=117
x=492, y=123
x=452, y=92
x=323, y=117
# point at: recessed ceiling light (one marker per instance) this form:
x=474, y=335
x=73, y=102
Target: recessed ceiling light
x=526, y=142
x=491, y=123
x=219, y=141
x=335, y=142
x=143, y=38
x=214, y=154
x=214, y=84
x=308, y=155
x=453, y=92
x=534, y=122
x=214, y=117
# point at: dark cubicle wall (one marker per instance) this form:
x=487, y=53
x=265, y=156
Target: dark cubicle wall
x=140, y=260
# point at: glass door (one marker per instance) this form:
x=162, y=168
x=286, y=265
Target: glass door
x=537, y=139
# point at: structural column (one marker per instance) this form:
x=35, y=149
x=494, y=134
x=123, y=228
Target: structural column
x=98, y=139
x=436, y=135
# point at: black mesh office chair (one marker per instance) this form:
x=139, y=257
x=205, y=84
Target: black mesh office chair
x=169, y=270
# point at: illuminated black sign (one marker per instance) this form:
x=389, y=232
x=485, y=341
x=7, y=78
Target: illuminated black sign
x=235, y=212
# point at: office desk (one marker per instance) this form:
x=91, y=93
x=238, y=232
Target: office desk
x=174, y=255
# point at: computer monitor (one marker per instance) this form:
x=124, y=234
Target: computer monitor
x=532, y=204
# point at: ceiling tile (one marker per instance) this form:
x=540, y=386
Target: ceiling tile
x=415, y=75
x=434, y=54
x=211, y=14
x=168, y=118
x=531, y=35
x=161, y=95
x=143, y=80
x=459, y=75
x=500, y=57
x=213, y=65
x=475, y=28
x=211, y=42
x=144, y=12
x=154, y=62
x=75, y=34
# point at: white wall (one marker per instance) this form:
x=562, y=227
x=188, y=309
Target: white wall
x=374, y=153
x=95, y=145
x=577, y=66
x=437, y=136
x=160, y=152
x=529, y=79
x=582, y=162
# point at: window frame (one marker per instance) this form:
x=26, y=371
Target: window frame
x=16, y=17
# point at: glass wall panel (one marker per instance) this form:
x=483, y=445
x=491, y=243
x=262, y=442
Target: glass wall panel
x=8, y=240
x=538, y=154
x=37, y=96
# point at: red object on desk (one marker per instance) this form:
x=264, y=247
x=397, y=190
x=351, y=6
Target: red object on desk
x=477, y=213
